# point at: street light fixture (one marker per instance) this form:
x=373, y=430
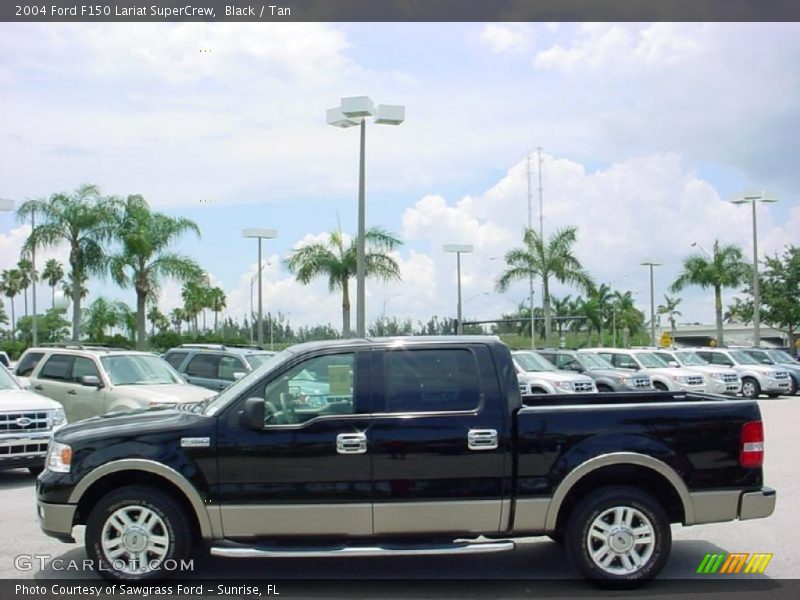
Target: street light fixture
x=355, y=111
x=753, y=198
x=458, y=249
x=652, y=264
x=699, y=245
x=261, y=234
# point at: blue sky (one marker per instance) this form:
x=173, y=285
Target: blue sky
x=647, y=130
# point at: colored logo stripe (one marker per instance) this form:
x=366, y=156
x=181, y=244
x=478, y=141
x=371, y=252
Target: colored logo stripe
x=734, y=563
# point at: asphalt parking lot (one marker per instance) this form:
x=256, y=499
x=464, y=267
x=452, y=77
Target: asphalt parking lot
x=538, y=559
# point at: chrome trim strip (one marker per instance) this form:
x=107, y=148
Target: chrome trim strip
x=247, y=552
x=156, y=468
x=710, y=402
x=443, y=516
x=296, y=519
x=619, y=458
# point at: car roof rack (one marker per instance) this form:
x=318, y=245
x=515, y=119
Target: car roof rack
x=202, y=346
x=80, y=346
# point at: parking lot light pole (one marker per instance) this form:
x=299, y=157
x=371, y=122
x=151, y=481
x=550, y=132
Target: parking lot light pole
x=458, y=249
x=261, y=234
x=753, y=198
x=652, y=264
x=355, y=111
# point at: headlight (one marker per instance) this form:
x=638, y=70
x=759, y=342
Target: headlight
x=685, y=379
x=626, y=381
x=59, y=417
x=59, y=458
x=565, y=385
x=718, y=376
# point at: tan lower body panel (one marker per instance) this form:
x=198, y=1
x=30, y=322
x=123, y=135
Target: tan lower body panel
x=469, y=516
x=296, y=519
x=530, y=515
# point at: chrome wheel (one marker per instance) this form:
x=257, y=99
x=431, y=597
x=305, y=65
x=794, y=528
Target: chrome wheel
x=621, y=540
x=134, y=540
x=749, y=389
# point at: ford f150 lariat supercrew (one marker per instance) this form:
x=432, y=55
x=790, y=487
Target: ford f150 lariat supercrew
x=406, y=446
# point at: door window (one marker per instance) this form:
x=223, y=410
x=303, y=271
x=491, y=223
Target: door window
x=83, y=367
x=58, y=368
x=228, y=365
x=431, y=381
x=205, y=366
x=623, y=361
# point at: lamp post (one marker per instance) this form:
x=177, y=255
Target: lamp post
x=458, y=249
x=652, y=264
x=261, y=234
x=753, y=198
x=355, y=111
x=252, y=281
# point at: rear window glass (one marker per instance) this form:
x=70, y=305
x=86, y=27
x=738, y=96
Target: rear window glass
x=28, y=363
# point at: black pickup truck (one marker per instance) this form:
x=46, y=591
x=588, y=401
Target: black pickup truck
x=403, y=446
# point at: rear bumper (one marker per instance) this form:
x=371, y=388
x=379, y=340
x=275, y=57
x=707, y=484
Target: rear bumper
x=728, y=505
x=56, y=520
x=757, y=505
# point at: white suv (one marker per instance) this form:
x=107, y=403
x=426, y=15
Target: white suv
x=90, y=381
x=664, y=377
x=537, y=375
x=757, y=378
x=720, y=380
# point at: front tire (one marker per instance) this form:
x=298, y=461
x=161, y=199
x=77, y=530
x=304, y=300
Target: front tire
x=750, y=388
x=618, y=537
x=132, y=532
x=660, y=386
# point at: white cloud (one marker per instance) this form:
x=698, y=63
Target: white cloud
x=507, y=37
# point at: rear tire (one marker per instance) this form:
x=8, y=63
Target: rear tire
x=750, y=388
x=618, y=537
x=132, y=532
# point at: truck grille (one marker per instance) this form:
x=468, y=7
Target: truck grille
x=695, y=380
x=730, y=378
x=582, y=386
x=23, y=449
x=641, y=382
x=24, y=421
x=781, y=375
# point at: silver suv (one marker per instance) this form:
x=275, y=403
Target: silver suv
x=664, y=377
x=720, y=380
x=90, y=381
x=537, y=375
x=757, y=378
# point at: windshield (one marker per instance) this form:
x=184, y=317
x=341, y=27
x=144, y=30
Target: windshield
x=138, y=369
x=7, y=381
x=533, y=362
x=690, y=359
x=781, y=357
x=743, y=358
x=256, y=360
x=650, y=360
x=232, y=391
x=593, y=362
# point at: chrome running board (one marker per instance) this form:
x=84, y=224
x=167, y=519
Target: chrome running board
x=244, y=551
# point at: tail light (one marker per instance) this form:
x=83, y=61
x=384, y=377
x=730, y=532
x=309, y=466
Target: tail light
x=751, y=453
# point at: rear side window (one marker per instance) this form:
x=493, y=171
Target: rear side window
x=175, y=358
x=431, y=381
x=28, y=363
x=623, y=361
x=203, y=365
x=58, y=368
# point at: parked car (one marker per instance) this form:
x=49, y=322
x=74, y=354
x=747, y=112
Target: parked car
x=719, y=380
x=606, y=377
x=757, y=378
x=215, y=366
x=781, y=359
x=91, y=380
x=664, y=377
x=424, y=448
x=537, y=375
x=27, y=423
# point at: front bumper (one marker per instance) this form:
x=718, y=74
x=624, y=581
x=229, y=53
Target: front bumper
x=774, y=386
x=56, y=520
x=715, y=386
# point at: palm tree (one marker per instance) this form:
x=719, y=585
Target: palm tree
x=27, y=277
x=670, y=308
x=99, y=316
x=724, y=268
x=155, y=317
x=217, y=302
x=194, y=298
x=84, y=220
x=177, y=316
x=144, y=258
x=53, y=274
x=553, y=258
x=10, y=286
x=337, y=262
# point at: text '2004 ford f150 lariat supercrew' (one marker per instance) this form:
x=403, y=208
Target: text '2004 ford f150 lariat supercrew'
x=403, y=446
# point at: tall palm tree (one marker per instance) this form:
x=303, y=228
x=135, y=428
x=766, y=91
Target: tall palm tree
x=553, y=258
x=145, y=257
x=10, y=286
x=84, y=220
x=155, y=317
x=670, y=309
x=217, y=302
x=337, y=262
x=177, y=316
x=27, y=277
x=194, y=298
x=725, y=268
x=100, y=315
x=53, y=274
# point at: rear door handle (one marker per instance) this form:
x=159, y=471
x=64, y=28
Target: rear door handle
x=482, y=439
x=72, y=393
x=351, y=443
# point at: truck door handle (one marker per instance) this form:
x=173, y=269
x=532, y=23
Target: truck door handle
x=482, y=439
x=351, y=443
x=72, y=393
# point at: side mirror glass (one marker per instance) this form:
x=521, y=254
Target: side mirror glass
x=767, y=361
x=673, y=363
x=91, y=381
x=252, y=415
x=238, y=375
